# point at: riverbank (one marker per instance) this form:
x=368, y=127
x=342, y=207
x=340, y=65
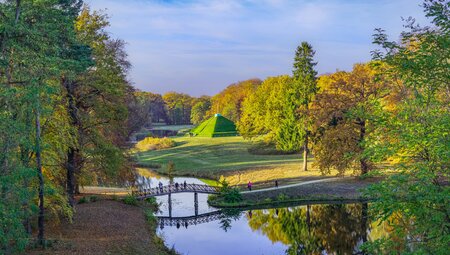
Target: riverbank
x=342, y=189
x=104, y=227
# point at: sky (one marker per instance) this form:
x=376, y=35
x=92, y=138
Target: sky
x=199, y=47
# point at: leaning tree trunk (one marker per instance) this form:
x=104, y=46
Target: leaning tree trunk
x=305, y=153
x=41, y=180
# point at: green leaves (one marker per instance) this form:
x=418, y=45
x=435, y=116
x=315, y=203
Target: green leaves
x=414, y=135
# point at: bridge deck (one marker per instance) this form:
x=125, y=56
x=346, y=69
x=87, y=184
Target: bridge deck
x=142, y=193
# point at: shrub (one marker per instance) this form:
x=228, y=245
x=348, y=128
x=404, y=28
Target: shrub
x=87, y=199
x=231, y=195
x=170, y=169
x=150, y=165
x=152, y=202
x=268, y=200
x=130, y=200
x=83, y=200
x=282, y=197
x=150, y=217
x=155, y=143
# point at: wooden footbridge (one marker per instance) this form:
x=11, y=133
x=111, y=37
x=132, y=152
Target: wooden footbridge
x=142, y=193
x=189, y=220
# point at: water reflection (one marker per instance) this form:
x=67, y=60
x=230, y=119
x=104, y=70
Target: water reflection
x=196, y=228
x=315, y=229
x=312, y=229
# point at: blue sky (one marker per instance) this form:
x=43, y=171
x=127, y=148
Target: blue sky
x=201, y=46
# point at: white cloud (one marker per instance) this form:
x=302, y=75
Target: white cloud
x=200, y=46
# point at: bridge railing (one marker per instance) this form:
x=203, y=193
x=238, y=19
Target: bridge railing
x=189, y=220
x=172, y=188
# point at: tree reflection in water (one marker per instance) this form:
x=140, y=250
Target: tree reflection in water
x=229, y=215
x=315, y=229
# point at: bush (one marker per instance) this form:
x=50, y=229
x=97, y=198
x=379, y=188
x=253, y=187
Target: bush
x=83, y=200
x=150, y=217
x=268, y=200
x=232, y=195
x=149, y=165
x=154, y=143
x=87, y=199
x=229, y=194
x=130, y=200
x=282, y=197
x=152, y=202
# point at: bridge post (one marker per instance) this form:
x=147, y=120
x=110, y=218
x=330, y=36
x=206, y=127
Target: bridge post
x=170, y=205
x=196, y=203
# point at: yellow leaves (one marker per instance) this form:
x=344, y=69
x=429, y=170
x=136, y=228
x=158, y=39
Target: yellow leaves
x=229, y=101
x=153, y=143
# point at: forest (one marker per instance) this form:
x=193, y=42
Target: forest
x=68, y=110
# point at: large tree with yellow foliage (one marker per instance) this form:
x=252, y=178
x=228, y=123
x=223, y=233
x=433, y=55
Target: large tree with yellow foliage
x=342, y=118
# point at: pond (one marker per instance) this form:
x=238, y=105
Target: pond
x=307, y=229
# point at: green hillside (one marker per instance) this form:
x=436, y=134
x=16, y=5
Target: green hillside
x=216, y=126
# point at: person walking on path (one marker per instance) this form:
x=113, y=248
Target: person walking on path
x=185, y=184
x=276, y=183
x=176, y=185
x=249, y=185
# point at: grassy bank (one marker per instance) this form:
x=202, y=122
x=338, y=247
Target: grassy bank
x=343, y=190
x=228, y=156
x=105, y=226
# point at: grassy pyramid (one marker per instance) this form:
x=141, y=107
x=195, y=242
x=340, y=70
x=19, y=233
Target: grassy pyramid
x=215, y=126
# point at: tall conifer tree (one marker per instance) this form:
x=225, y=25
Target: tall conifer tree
x=306, y=85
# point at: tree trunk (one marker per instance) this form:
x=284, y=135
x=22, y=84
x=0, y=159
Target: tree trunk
x=363, y=160
x=364, y=218
x=72, y=164
x=25, y=156
x=308, y=219
x=70, y=167
x=41, y=180
x=305, y=154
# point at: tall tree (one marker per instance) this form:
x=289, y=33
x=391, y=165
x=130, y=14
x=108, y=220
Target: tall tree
x=342, y=114
x=414, y=135
x=97, y=106
x=263, y=110
x=33, y=57
x=305, y=82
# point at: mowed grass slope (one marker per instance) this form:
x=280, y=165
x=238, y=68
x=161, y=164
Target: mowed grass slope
x=204, y=156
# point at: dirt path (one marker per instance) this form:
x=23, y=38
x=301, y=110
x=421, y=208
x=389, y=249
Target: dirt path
x=103, y=227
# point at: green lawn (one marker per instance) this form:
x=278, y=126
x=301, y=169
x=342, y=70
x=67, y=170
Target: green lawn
x=202, y=156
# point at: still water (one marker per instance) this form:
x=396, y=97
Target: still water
x=311, y=229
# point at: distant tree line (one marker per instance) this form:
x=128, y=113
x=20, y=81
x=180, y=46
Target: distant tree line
x=175, y=108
